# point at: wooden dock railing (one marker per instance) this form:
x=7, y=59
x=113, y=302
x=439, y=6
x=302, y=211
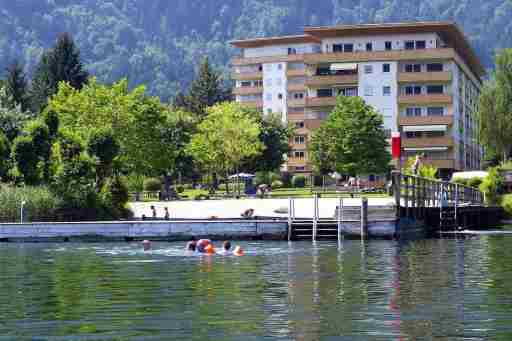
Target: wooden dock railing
x=414, y=192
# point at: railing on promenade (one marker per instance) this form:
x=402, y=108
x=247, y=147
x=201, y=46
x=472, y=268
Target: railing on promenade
x=414, y=192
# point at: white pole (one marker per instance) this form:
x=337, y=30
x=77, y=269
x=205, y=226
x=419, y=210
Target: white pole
x=289, y=219
x=21, y=211
x=340, y=215
x=315, y=203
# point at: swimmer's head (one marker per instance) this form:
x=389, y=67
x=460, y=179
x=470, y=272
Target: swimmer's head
x=209, y=249
x=191, y=246
x=238, y=251
x=146, y=244
x=226, y=245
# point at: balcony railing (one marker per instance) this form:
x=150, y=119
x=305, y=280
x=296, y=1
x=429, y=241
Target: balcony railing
x=248, y=90
x=320, y=101
x=425, y=142
x=425, y=99
x=420, y=77
x=252, y=104
x=425, y=120
x=247, y=75
x=331, y=80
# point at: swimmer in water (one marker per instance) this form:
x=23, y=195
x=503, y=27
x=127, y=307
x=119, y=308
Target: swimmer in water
x=146, y=244
x=209, y=249
x=238, y=251
x=191, y=246
x=202, y=244
x=226, y=246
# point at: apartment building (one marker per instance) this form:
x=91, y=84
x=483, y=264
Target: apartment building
x=424, y=78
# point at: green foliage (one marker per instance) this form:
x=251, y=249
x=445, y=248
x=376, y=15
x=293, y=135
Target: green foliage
x=286, y=178
x=135, y=182
x=60, y=64
x=51, y=119
x=495, y=108
x=277, y=184
x=506, y=203
x=425, y=170
x=152, y=184
x=224, y=138
x=24, y=154
x=461, y=181
x=299, y=181
x=491, y=186
x=12, y=119
x=5, y=151
x=180, y=189
x=351, y=140
x=41, y=203
x=475, y=182
x=16, y=86
x=114, y=197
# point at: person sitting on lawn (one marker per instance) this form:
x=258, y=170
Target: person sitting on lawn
x=248, y=213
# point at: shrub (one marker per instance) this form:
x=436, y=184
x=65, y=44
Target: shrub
x=286, y=179
x=274, y=177
x=152, y=185
x=506, y=203
x=492, y=186
x=115, y=197
x=135, y=183
x=277, y=184
x=461, y=181
x=41, y=204
x=299, y=181
x=180, y=189
x=475, y=182
x=260, y=178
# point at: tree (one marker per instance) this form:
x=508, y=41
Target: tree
x=224, y=138
x=495, y=108
x=16, y=86
x=60, y=64
x=12, y=119
x=103, y=146
x=275, y=137
x=352, y=140
x=4, y=156
x=205, y=91
x=24, y=154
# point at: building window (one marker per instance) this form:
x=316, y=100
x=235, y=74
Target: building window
x=348, y=48
x=435, y=67
x=298, y=95
x=324, y=93
x=368, y=69
x=246, y=84
x=299, y=154
x=299, y=139
x=291, y=50
x=337, y=47
x=413, y=134
x=280, y=96
x=413, y=90
x=388, y=46
x=260, y=68
x=411, y=112
x=420, y=44
x=279, y=66
x=386, y=91
x=258, y=83
x=412, y=68
x=434, y=134
x=386, y=68
x=387, y=132
x=435, y=89
x=369, y=47
x=417, y=68
x=435, y=111
x=299, y=124
x=409, y=45
x=347, y=92
x=368, y=90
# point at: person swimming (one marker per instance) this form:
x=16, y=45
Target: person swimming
x=226, y=247
x=146, y=244
x=238, y=251
x=202, y=244
x=191, y=245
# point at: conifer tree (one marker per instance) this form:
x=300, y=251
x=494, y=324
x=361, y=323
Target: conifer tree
x=62, y=63
x=16, y=85
x=205, y=91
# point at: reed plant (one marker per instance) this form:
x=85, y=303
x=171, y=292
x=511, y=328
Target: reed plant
x=40, y=203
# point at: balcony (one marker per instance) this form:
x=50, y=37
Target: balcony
x=253, y=104
x=425, y=120
x=239, y=61
x=296, y=87
x=320, y=101
x=425, y=77
x=295, y=161
x=395, y=55
x=312, y=124
x=296, y=103
x=248, y=90
x=247, y=76
x=425, y=99
x=295, y=72
x=425, y=142
x=332, y=80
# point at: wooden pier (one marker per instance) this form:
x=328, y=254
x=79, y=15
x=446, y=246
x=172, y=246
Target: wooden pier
x=421, y=206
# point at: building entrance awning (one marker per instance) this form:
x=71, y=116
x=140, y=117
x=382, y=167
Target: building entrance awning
x=343, y=66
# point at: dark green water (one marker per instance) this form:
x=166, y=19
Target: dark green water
x=382, y=290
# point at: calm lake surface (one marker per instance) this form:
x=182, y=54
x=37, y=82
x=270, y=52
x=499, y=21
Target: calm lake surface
x=436, y=289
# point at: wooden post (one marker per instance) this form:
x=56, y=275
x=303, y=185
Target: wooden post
x=364, y=217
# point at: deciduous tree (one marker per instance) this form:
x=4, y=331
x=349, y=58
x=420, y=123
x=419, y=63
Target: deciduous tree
x=352, y=140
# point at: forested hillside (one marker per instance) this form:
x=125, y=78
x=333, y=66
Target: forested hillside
x=159, y=42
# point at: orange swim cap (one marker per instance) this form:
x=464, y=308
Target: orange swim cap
x=209, y=249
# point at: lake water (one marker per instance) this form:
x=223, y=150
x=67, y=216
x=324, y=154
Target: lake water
x=436, y=289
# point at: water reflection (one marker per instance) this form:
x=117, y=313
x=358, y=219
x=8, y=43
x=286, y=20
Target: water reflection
x=352, y=290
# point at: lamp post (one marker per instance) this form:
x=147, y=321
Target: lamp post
x=21, y=211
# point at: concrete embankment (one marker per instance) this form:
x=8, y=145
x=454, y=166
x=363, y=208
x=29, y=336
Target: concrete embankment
x=138, y=230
